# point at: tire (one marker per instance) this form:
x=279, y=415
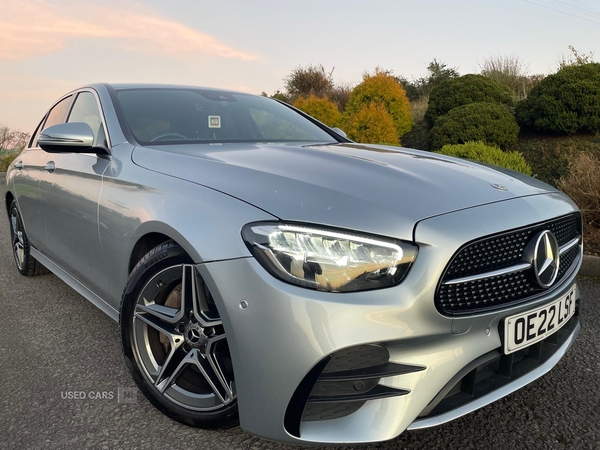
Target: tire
x=172, y=367
x=26, y=264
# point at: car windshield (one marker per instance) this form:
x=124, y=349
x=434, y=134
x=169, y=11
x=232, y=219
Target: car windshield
x=182, y=116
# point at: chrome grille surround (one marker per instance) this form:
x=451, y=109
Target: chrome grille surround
x=491, y=272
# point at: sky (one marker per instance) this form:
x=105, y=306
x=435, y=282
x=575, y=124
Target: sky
x=48, y=48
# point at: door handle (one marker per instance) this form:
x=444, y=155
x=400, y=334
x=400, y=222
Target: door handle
x=50, y=166
x=19, y=165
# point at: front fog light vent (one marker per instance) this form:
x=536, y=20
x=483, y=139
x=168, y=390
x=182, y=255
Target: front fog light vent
x=343, y=382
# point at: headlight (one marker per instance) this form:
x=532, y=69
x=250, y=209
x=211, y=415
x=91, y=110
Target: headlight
x=327, y=260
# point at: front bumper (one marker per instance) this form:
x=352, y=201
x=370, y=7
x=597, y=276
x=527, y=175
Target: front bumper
x=285, y=331
x=509, y=384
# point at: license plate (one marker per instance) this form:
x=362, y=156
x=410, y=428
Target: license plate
x=527, y=328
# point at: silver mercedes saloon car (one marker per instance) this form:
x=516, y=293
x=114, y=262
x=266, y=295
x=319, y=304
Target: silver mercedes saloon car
x=267, y=271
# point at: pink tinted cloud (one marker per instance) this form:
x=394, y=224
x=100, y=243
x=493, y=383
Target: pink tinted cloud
x=148, y=33
x=30, y=28
x=25, y=87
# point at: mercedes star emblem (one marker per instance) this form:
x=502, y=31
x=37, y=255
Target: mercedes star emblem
x=546, y=259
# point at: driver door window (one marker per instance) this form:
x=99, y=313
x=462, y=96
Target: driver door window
x=86, y=110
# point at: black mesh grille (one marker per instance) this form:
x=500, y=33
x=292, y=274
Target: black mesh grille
x=566, y=261
x=498, y=252
x=565, y=229
x=484, y=256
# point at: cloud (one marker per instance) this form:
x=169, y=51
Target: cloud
x=23, y=87
x=30, y=28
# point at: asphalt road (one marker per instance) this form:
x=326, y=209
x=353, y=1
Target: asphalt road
x=54, y=344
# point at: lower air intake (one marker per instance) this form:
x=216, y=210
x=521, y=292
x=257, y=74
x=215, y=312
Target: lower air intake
x=343, y=382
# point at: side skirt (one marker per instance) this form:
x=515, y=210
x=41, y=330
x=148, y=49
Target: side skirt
x=75, y=284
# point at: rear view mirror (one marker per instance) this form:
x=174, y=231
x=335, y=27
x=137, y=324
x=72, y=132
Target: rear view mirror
x=74, y=137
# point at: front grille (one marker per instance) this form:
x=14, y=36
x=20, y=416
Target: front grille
x=566, y=261
x=498, y=252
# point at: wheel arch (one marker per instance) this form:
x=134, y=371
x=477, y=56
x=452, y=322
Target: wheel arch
x=144, y=244
x=8, y=198
x=152, y=234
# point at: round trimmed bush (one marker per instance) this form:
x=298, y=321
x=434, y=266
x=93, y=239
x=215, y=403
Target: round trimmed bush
x=566, y=102
x=491, y=123
x=478, y=151
x=372, y=124
x=321, y=109
x=382, y=88
x=462, y=91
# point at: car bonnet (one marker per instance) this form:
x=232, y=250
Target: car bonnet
x=375, y=189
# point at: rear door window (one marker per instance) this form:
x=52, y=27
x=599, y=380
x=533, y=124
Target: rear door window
x=59, y=112
x=37, y=132
x=56, y=115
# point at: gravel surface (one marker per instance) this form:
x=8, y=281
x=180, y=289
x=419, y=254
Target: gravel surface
x=54, y=344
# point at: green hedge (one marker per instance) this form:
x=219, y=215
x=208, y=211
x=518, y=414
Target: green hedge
x=549, y=156
x=5, y=161
x=462, y=91
x=566, y=102
x=491, y=123
x=478, y=151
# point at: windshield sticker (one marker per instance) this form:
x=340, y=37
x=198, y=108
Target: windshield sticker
x=214, y=121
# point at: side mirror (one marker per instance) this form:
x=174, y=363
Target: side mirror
x=340, y=132
x=74, y=137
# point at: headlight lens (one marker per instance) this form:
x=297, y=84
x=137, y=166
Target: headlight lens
x=328, y=260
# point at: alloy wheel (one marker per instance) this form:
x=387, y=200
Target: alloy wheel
x=18, y=242
x=180, y=343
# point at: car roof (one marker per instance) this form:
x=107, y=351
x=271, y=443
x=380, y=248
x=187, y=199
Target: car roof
x=121, y=86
